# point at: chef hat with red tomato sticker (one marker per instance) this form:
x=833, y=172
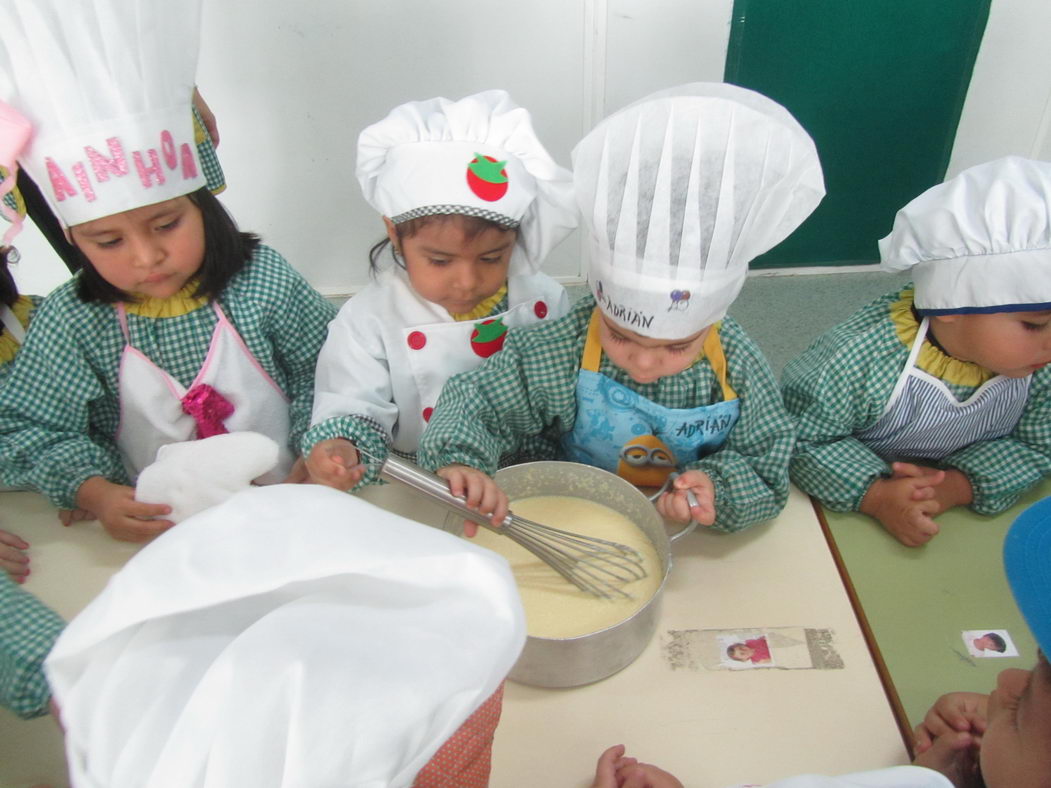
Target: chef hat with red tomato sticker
x=679, y=192
x=478, y=156
x=108, y=87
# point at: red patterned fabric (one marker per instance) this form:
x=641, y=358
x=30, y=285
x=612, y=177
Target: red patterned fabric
x=464, y=760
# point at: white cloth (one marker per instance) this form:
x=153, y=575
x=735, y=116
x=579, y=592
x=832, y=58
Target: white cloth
x=195, y=475
x=894, y=777
x=11, y=323
x=420, y=160
x=679, y=192
x=151, y=400
x=292, y=636
x=980, y=242
x=368, y=366
x=108, y=87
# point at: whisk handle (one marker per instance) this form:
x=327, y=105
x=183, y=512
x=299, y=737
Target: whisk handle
x=395, y=469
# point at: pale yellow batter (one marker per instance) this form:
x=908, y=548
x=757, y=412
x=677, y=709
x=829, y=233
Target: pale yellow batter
x=554, y=607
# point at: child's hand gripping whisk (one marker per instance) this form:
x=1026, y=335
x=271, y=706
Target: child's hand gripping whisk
x=597, y=566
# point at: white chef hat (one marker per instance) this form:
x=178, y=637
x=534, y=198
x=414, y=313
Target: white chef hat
x=980, y=242
x=108, y=87
x=679, y=192
x=292, y=636
x=478, y=156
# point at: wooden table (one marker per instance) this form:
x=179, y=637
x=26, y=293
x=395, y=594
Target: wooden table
x=710, y=727
x=916, y=602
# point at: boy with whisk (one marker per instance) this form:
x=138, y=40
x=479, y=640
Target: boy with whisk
x=647, y=375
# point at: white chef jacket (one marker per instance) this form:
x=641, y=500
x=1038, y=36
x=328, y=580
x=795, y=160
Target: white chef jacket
x=389, y=351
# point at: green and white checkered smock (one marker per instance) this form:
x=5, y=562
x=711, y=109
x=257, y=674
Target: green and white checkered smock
x=519, y=403
x=59, y=409
x=840, y=386
x=28, y=630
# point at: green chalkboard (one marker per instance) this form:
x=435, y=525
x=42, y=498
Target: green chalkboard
x=879, y=84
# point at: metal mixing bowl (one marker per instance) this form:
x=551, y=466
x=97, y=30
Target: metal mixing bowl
x=571, y=662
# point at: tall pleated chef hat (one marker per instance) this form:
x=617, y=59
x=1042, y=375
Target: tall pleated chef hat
x=108, y=87
x=980, y=242
x=679, y=192
x=478, y=156
x=292, y=636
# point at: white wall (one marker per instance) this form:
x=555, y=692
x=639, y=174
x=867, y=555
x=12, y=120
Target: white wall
x=293, y=83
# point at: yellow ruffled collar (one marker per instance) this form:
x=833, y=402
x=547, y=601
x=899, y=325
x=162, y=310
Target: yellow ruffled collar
x=8, y=345
x=932, y=359
x=484, y=308
x=182, y=303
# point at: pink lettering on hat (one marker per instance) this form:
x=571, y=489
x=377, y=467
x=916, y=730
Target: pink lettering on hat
x=168, y=150
x=81, y=174
x=60, y=185
x=145, y=172
x=189, y=165
x=117, y=164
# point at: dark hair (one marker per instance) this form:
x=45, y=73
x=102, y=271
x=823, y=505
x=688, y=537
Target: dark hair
x=472, y=226
x=732, y=646
x=8, y=288
x=226, y=250
x=998, y=642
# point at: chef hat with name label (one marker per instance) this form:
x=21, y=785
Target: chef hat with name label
x=108, y=87
x=291, y=636
x=478, y=156
x=679, y=192
x=979, y=242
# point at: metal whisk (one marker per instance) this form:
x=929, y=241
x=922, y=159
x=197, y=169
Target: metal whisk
x=597, y=566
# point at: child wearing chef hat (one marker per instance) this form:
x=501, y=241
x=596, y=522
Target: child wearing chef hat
x=472, y=204
x=178, y=326
x=300, y=637
x=679, y=192
x=937, y=396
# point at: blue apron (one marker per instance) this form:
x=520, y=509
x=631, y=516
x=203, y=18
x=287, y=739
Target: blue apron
x=620, y=431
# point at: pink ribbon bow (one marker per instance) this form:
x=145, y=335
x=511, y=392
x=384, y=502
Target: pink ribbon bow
x=209, y=409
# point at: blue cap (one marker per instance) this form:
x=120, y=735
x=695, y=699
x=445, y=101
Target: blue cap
x=1027, y=561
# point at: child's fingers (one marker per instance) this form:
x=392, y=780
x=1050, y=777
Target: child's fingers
x=605, y=774
x=131, y=529
x=922, y=493
x=15, y=564
x=470, y=529
x=673, y=506
x=923, y=528
x=901, y=470
x=921, y=739
x=455, y=479
x=13, y=540
x=704, y=511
